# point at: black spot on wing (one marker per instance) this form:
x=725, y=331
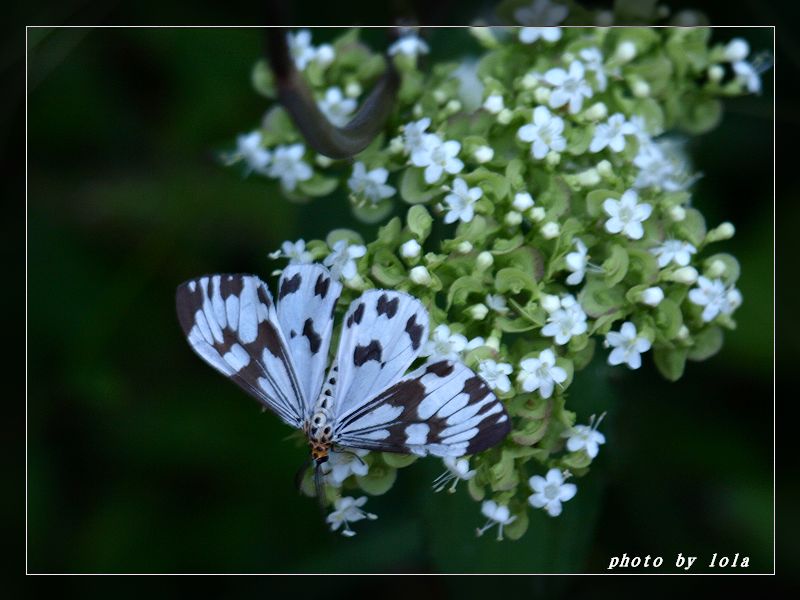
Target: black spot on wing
x=322, y=285
x=356, y=315
x=491, y=431
x=313, y=337
x=414, y=331
x=440, y=369
x=476, y=389
x=290, y=286
x=387, y=307
x=371, y=351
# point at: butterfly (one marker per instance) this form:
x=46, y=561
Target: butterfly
x=278, y=353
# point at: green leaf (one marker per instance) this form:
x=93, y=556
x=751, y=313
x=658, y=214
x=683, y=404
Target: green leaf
x=379, y=480
x=476, y=490
x=597, y=299
x=517, y=528
x=668, y=318
x=616, y=265
x=413, y=188
x=515, y=171
x=732, y=269
x=371, y=213
x=701, y=114
x=513, y=280
x=318, y=185
x=398, y=461
x=693, y=227
x=502, y=474
x=670, y=361
x=419, y=222
x=350, y=236
x=387, y=268
x=262, y=79
x=461, y=288
x=531, y=432
x=389, y=234
x=706, y=344
x=503, y=246
x=576, y=460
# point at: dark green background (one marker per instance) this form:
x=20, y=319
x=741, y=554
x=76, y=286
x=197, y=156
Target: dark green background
x=142, y=459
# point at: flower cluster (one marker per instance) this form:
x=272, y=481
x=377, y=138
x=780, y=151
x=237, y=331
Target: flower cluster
x=560, y=195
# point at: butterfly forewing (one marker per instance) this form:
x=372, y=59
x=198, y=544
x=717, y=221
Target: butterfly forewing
x=307, y=296
x=443, y=408
x=382, y=334
x=231, y=322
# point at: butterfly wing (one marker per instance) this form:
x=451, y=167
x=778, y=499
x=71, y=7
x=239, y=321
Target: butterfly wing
x=231, y=322
x=307, y=296
x=443, y=408
x=382, y=334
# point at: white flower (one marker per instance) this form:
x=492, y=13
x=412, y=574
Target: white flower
x=344, y=463
x=566, y=321
x=410, y=249
x=324, y=55
x=529, y=35
x=409, y=44
x=628, y=346
x=496, y=514
x=550, y=302
x=545, y=133
x=541, y=373
x=736, y=50
x=593, y=61
x=522, y=201
x=716, y=299
x=300, y=48
x=569, y=87
x=627, y=215
x=457, y=470
x=652, y=296
x=461, y=202
x=347, y=510
x=577, y=262
x=550, y=230
x=470, y=86
x=550, y=491
x=585, y=437
x=662, y=164
x=626, y=51
x=497, y=303
x=370, y=185
x=611, y=134
x=336, y=106
x=420, y=275
x=483, y=154
x=414, y=136
x=493, y=103
x=288, y=166
x=673, y=251
x=295, y=251
x=249, y=149
x=443, y=344
x=437, y=157
x=541, y=12
x=748, y=76
x=495, y=374
x=342, y=259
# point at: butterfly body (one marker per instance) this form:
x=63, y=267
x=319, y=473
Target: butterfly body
x=278, y=353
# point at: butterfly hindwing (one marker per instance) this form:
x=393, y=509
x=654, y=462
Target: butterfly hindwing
x=443, y=408
x=382, y=334
x=307, y=296
x=231, y=322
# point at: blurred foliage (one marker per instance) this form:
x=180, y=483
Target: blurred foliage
x=143, y=459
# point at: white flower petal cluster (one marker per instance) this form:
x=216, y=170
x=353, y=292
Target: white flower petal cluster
x=577, y=262
x=457, y=469
x=288, y=166
x=585, y=437
x=569, y=87
x=414, y=136
x=662, y=165
x=611, y=134
x=673, y=251
x=336, y=107
x=566, y=321
x=529, y=35
x=370, y=185
x=550, y=491
x=627, y=345
x=541, y=373
x=444, y=344
x=437, y=157
x=496, y=514
x=461, y=202
x=342, y=259
x=343, y=463
x=348, y=510
x=250, y=149
x=497, y=302
x=627, y=215
x=541, y=12
x=715, y=298
x=495, y=374
x=295, y=251
x=304, y=53
x=544, y=133
x=409, y=44
x=592, y=60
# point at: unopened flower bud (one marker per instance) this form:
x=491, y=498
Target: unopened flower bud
x=420, y=276
x=484, y=260
x=504, y=116
x=396, y=145
x=494, y=103
x=353, y=89
x=677, y=213
x=464, y=247
x=687, y=275
x=323, y=161
x=652, y=296
x=552, y=158
x=537, y=213
x=736, y=50
x=596, y=112
x=478, y=311
x=453, y=106
x=550, y=230
x=493, y=342
x=522, y=201
x=640, y=88
x=683, y=333
x=716, y=73
x=723, y=231
x=626, y=51
x=550, y=302
x=529, y=81
x=325, y=54
x=605, y=169
x=410, y=249
x=483, y=154
x=716, y=269
x=513, y=218
x=439, y=96
x=588, y=178
x=542, y=95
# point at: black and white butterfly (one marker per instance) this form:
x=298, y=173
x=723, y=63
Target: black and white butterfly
x=278, y=353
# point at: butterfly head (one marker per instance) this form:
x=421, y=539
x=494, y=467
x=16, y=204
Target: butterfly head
x=320, y=451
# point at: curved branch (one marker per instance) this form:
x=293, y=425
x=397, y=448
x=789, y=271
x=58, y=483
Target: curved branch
x=321, y=135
